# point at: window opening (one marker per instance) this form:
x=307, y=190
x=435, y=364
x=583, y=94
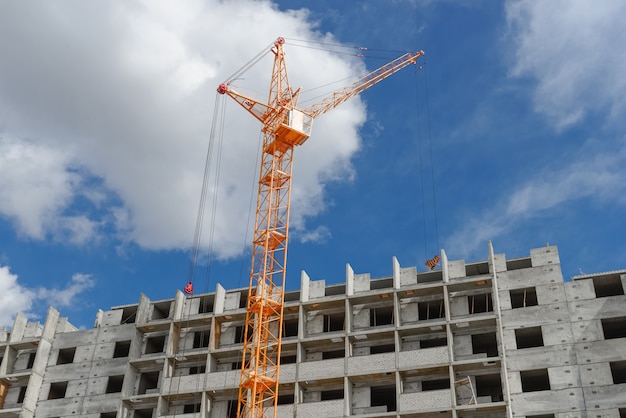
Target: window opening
x=148, y=381
x=381, y=283
x=201, y=339
x=143, y=413
x=383, y=396
x=21, y=395
x=66, y=355
x=286, y=399
x=480, y=303
x=57, y=390
x=476, y=269
x=381, y=316
x=239, y=335
x=129, y=315
x=490, y=385
x=206, y=305
x=114, y=384
x=335, y=290
x=485, y=343
x=122, y=348
x=434, y=342
x=535, y=380
x=435, y=384
x=522, y=298
x=541, y=416
x=191, y=408
x=614, y=327
x=290, y=359
x=243, y=300
x=31, y=360
x=290, y=328
x=618, y=371
x=518, y=264
x=292, y=296
x=431, y=309
x=155, y=344
x=529, y=337
x=232, y=409
x=197, y=369
x=329, y=395
x=108, y=415
x=382, y=348
x=334, y=322
x=333, y=354
x=161, y=310
x=608, y=286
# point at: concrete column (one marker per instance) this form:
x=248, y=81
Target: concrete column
x=179, y=305
x=500, y=334
x=395, y=266
x=220, y=299
x=143, y=310
x=40, y=363
x=444, y=266
x=305, y=282
x=347, y=396
x=19, y=326
x=349, y=280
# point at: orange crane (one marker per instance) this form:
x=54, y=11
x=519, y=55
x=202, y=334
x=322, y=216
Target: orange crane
x=284, y=127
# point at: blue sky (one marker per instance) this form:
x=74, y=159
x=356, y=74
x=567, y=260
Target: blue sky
x=511, y=131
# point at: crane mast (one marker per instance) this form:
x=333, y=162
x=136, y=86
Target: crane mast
x=284, y=127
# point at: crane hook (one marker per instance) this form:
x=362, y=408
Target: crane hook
x=189, y=288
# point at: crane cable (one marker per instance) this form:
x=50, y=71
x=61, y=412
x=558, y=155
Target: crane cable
x=324, y=46
x=249, y=64
x=434, y=261
x=214, y=147
x=430, y=151
x=218, y=111
x=350, y=50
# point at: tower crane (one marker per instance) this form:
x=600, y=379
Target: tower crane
x=284, y=127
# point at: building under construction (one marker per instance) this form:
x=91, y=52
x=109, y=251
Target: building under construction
x=495, y=338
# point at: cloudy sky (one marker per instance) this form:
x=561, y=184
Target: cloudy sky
x=510, y=129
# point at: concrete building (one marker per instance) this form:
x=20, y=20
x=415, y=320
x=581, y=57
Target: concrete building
x=496, y=338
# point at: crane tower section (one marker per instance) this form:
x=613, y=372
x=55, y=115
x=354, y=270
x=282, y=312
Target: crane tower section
x=284, y=127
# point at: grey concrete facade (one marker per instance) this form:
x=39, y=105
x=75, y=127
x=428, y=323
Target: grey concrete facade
x=496, y=338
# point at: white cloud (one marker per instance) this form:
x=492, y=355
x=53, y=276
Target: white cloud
x=599, y=177
x=572, y=49
x=569, y=50
x=321, y=234
x=35, y=185
x=15, y=297
x=124, y=90
x=64, y=297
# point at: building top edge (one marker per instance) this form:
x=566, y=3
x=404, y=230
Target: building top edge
x=605, y=273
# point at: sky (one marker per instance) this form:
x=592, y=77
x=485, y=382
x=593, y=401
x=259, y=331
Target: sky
x=510, y=129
